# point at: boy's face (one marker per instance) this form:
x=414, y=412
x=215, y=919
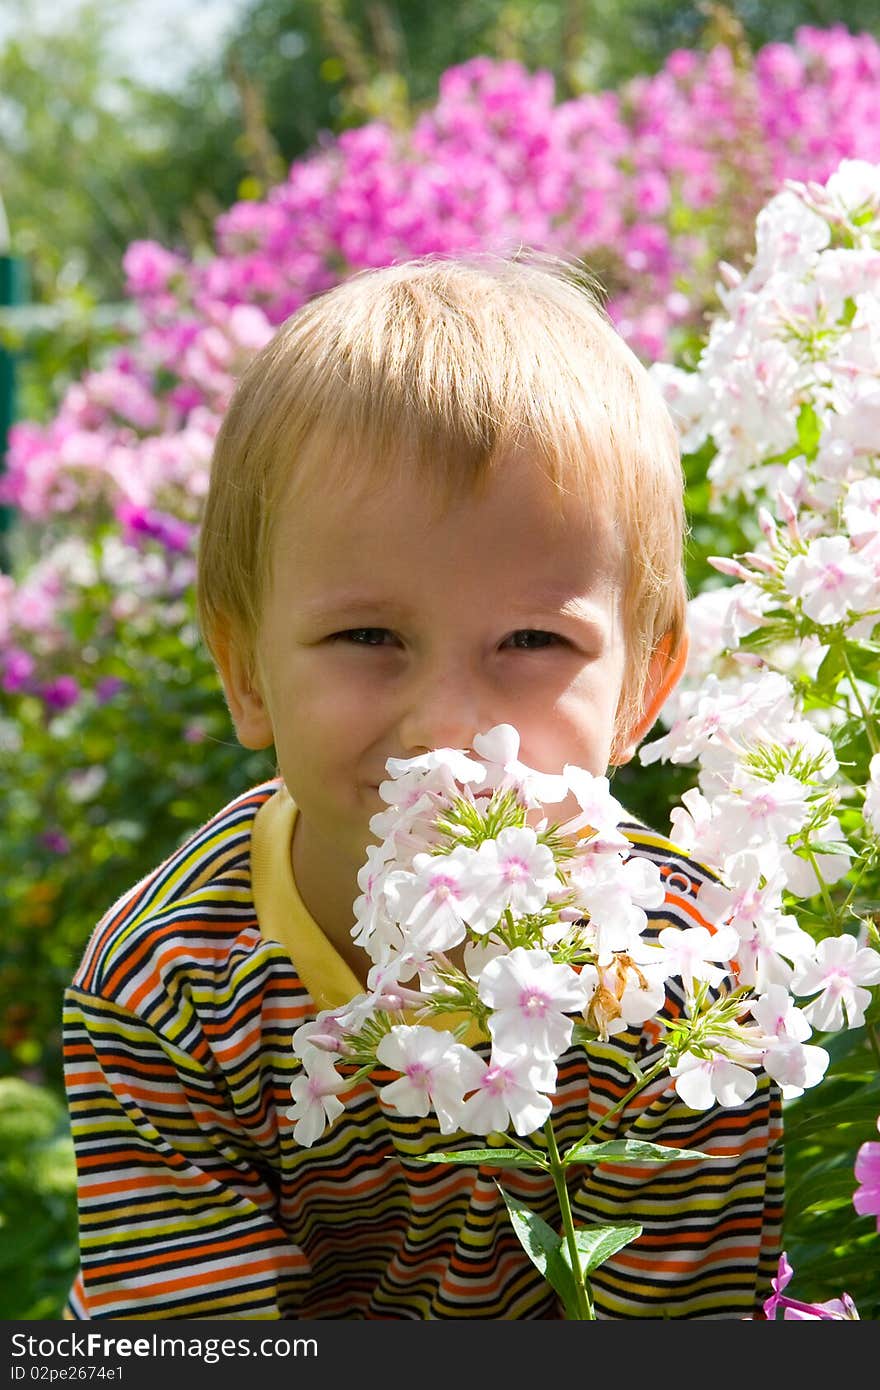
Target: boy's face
x=392, y=626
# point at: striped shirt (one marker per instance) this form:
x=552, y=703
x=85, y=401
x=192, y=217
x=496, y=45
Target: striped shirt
x=195, y=1201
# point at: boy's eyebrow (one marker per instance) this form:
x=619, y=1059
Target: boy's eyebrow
x=552, y=601
x=353, y=604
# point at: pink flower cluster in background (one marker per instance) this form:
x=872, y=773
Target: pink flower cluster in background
x=644, y=183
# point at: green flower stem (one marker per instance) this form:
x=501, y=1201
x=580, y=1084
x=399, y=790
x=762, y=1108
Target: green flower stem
x=585, y=1311
x=866, y=715
x=625, y=1100
x=823, y=889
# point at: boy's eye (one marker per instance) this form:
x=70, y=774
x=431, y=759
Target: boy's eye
x=363, y=636
x=530, y=639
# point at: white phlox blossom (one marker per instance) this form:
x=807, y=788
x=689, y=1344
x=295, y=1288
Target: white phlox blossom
x=770, y=940
x=759, y=810
x=687, y=397
x=514, y=1089
x=433, y=900
x=498, y=751
x=696, y=954
x=786, y=1056
x=615, y=892
x=830, y=579
x=600, y=812
x=853, y=188
x=840, y=971
x=440, y=770
x=697, y=830
x=530, y=997
x=703, y=1081
x=316, y=1100
x=512, y=873
x=747, y=606
x=786, y=232
x=405, y=828
x=375, y=931
x=435, y=1070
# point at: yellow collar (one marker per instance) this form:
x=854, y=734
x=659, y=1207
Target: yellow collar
x=282, y=914
x=284, y=917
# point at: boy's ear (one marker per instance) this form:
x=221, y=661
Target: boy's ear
x=664, y=673
x=250, y=715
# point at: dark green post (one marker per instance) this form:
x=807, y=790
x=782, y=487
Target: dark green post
x=13, y=290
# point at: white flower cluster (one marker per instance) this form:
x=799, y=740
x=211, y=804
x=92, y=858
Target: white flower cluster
x=788, y=383
x=783, y=671
x=478, y=910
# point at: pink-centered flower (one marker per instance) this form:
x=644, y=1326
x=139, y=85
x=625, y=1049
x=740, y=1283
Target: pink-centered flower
x=498, y=751
x=787, y=1057
x=530, y=997
x=615, y=893
x=431, y=902
x=512, y=872
x=511, y=1090
x=840, y=970
x=315, y=1095
x=435, y=1073
x=763, y=810
x=693, y=953
x=701, y=1081
x=830, y=579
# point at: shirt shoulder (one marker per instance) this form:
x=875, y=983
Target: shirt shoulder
x=190, y=908
x=673, y=862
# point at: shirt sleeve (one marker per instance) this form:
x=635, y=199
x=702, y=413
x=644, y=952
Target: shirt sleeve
x=176, y=1219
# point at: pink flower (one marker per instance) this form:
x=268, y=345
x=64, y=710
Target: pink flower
x=866, y=1198
x=60, y=694
x=836, y=1309
x=830, y=579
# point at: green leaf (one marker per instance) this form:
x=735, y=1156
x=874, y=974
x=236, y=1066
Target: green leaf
x=832, y=667
x=632, y=1150
x=831, y=847
x=861, y=1110
x=544, y=1248
x=808, y=430
x=596, y=1244
x=498, y=1158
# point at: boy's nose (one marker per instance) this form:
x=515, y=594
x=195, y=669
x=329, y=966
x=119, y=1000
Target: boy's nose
x=444, y=713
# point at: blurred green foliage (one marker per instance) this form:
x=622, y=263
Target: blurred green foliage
x=38, y=1243
x=97, y=796
x=831, y=1248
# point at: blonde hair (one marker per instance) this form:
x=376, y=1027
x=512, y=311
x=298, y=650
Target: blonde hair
x=446, y=365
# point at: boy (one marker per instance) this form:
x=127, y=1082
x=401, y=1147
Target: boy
x=445, y=496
